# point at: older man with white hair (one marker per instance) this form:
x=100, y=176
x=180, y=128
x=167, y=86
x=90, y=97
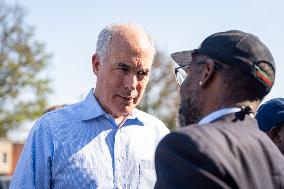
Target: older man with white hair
x=103, y=141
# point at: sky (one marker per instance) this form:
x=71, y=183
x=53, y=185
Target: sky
x=69, y=30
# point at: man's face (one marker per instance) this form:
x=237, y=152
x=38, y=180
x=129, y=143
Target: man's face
x=123, y=76
x=190, y=102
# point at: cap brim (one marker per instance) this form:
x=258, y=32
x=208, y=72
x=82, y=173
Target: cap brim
x=182, y=58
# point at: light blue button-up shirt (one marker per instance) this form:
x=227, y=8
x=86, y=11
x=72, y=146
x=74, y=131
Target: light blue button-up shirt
x=81, y=146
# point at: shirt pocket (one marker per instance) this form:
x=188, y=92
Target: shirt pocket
x=147, y=174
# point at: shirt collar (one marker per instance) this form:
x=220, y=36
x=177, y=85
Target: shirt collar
x=91, y=108
x=217, y=114
x=134, y=118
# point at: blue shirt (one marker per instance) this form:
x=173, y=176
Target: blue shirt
x=81, y=146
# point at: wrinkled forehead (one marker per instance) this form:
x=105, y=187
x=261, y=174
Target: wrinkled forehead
x=132, y=47
x=133, y=61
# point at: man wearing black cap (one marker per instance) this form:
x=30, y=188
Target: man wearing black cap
x=270, y=118
x=222, y=84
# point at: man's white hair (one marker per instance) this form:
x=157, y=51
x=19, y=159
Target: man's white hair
x=105, y=36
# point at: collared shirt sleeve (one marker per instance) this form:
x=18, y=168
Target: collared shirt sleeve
x=34, y=166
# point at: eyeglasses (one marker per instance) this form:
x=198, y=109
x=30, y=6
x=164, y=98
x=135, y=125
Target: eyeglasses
x=181, y=74
x=181, y=71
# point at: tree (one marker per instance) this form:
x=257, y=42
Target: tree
x=161, y=95
x=23, y=87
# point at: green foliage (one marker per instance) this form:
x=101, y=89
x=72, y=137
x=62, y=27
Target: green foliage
x=23, y=88
x=161, y=96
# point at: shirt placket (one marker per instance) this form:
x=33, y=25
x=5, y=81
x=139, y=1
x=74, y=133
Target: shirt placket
x=118, y=154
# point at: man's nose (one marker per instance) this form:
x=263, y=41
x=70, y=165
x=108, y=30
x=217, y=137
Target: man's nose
x=131, y=81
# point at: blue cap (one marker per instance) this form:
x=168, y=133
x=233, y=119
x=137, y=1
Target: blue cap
x=270, y=114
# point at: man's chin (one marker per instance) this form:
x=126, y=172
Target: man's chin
x=124, y=111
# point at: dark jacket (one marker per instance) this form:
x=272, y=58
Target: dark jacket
x=222, y=154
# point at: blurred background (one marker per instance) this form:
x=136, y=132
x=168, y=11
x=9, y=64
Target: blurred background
x=46, y=49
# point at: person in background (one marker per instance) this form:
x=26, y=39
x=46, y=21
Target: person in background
x=103, y=141
x=270, y=118
x=219, y=144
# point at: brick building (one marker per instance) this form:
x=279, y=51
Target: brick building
x=9, y=155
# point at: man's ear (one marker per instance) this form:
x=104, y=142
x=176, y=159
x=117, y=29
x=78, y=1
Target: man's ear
x=95, y=63
x=273, y=133
x=207, y=72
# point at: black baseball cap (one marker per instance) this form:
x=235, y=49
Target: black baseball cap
x=242, y=50
x=270, y=114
